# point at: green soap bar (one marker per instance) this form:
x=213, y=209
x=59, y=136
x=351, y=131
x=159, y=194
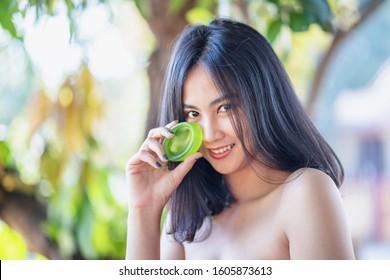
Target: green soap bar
x=187, y=141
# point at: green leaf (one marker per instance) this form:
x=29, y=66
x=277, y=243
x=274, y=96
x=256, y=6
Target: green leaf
x=5, y=154
x=51, y=229
x=66, y=242
x=299, y=22
x=199, y=15
x=276, y=2
x=70, y=5
x=274, y=30
x=320, y=10
x=13, y=246
x=207, y=4
x=174, y=6
x=101, y=238
x=7, y=9
x=84, y=230
x=92, y=143
x=143, y=8
x=50, y=6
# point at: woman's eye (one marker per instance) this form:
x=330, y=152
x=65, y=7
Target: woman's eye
x=191, y=115
x=224, y=108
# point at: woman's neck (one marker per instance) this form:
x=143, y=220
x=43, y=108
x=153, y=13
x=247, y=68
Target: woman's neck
x=254, y=182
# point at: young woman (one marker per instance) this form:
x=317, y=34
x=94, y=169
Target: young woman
x=264, y=184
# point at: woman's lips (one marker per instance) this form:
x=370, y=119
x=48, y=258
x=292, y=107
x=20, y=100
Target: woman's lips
x=221, y=152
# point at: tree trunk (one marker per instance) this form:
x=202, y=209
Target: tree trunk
x=165, y=25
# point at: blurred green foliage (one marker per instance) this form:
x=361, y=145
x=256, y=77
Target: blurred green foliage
x=298, y=15
x=84, y=219
x=12, y=244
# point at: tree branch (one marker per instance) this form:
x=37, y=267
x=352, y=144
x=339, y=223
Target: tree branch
x=25, y=215
x=339, y=37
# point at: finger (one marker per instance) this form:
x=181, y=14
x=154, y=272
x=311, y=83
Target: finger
x=183, y=168
x=169, y=132
x=147, y=157
x=172, y=124
x=142, y=157
x=152, y=145
x=134, y=164
x=160, y=132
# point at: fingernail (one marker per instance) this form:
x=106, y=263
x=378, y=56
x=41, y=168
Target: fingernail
x=165, y=157
x=171, y=132
x=158, y=164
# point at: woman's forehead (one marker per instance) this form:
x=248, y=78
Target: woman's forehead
x=199, y=86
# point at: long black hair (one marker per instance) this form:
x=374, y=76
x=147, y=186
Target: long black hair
x=246, y=70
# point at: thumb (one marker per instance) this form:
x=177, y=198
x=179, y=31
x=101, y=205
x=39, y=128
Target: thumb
x=183, y=168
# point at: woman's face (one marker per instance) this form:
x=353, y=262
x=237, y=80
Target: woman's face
x=203, y=104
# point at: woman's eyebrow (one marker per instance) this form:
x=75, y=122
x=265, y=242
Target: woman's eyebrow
x=212, y=103
x=218, y=100
x=187, y=106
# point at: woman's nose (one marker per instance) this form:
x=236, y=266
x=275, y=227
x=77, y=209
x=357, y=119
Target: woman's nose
x=211, y=131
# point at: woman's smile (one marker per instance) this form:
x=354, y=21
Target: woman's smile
x=220, y=152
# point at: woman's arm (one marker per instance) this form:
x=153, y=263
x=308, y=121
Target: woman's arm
x=150, y=186
x=143, y=234
x=316, y=226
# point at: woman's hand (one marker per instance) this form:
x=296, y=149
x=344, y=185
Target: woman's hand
x=150, y=182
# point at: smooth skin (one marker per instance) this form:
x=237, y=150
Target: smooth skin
x=300, y=217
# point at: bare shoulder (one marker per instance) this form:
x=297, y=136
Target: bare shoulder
x=315, y=226
x=311, y=184
x=310, y=195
